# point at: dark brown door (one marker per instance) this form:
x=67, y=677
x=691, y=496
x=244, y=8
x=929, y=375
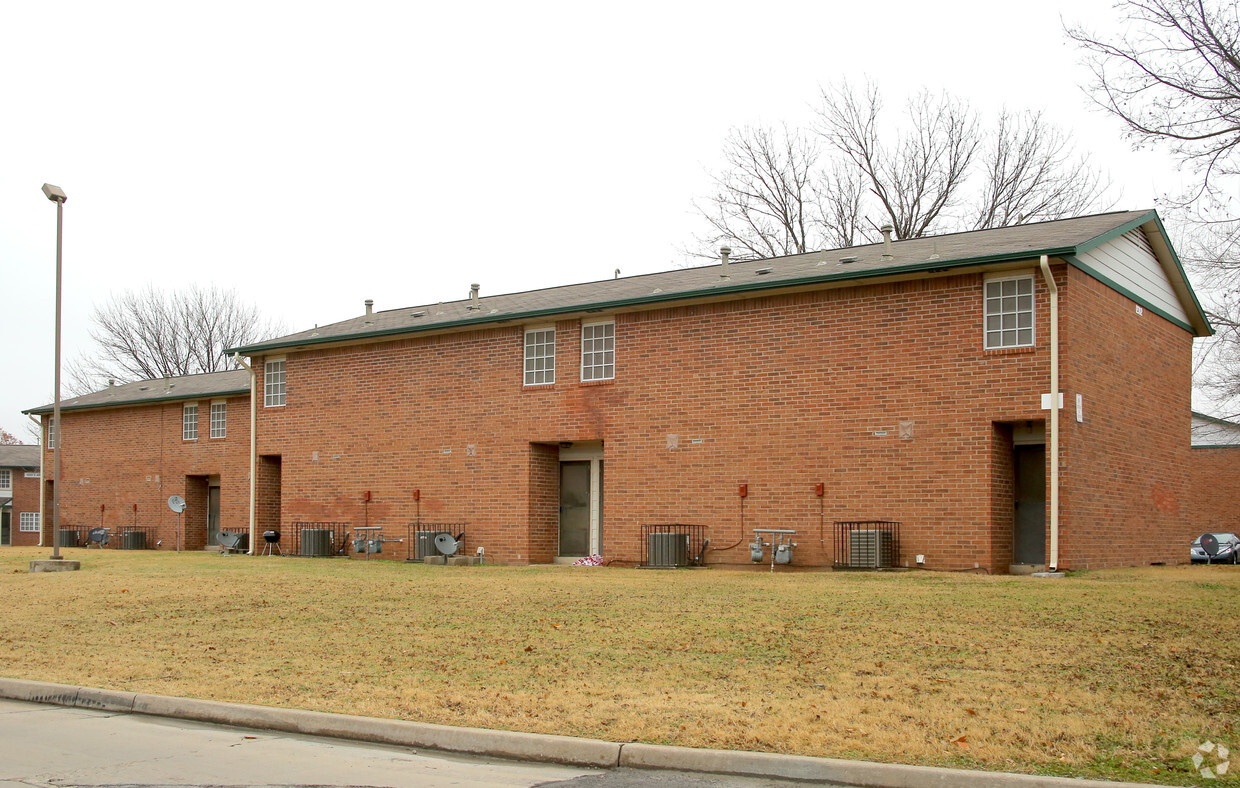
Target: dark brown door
x=1029, y=538
x=575, y=508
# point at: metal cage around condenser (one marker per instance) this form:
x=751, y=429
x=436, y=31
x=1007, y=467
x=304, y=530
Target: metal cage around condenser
x=421, y=538
x=671, y=545
x=867, y=544
x=318, y=539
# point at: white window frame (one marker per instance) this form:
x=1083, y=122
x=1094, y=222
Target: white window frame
x=596, y=369
x=275, y=393
x=28, y=523
x=189, y=421
x=219, y=427
x=541, y=337
x=51, y=433
x=6, y=479
x=996, y=325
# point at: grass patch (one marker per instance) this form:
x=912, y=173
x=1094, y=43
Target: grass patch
x=1111, y=674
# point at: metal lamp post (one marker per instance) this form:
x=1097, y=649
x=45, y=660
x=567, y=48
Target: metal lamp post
x=57, y=195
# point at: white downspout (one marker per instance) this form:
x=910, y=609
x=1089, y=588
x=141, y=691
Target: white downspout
x=253, y=445
x=38, y=423
x=1050, y=285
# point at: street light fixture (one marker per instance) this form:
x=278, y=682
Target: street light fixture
x=57, y=195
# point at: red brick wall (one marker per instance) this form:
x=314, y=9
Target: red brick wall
x=135, y=455
x=782, y=391
x=1214, y=505
x=779, y=392
x=1125, y=467
x=1002, y=495
x=25, y=499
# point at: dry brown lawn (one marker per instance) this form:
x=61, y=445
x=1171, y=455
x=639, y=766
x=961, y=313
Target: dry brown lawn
x=1116, y=674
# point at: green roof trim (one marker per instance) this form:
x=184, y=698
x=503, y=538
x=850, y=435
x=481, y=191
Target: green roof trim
x=682, y=295
x=1113, y=233
x=48, y=409
x=550, y=305
x=1076, y=262
x=1175, y=258
x=1124, y=229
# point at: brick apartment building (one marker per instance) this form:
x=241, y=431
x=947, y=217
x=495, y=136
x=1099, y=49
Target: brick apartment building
x=19, y=495
x=1215, y=468
x=908, y=381
x=129, y=448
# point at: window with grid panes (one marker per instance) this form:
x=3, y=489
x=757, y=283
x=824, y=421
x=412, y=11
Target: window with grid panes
x=219, y=419
x=274, y=388
x=1009, y=312
x=539, y=356
x=598, y=351
x=6, y=479
x=28, y=522
x=189, y=422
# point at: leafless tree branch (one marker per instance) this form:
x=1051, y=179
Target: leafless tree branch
x=150, y=333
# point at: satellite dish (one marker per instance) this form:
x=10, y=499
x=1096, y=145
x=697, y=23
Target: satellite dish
x=1209, y=543
x=176, y=503
x=445, y=544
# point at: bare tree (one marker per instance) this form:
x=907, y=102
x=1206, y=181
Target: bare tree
x=1030, y=173
x=150, y=333
x=786, y=192
x=772, y=200
x=1173, y=78
x=919, y=174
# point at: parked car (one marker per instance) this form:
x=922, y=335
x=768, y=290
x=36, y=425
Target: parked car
x=1228, y=549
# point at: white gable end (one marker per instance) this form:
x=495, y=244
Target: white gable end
x=1129, y=262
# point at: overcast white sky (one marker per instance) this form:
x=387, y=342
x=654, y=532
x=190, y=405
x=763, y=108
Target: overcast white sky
x=314, y=155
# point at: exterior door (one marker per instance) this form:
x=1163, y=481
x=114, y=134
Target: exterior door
x=6, y=527
x=575, y=508
x=1029, y=533
x=213, y=515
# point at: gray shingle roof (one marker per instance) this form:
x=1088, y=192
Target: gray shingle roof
x=19, y=456
x=141, y=392
x=1058, y=238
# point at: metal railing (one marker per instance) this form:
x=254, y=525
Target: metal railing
x=866, y=544
x=316, y=539
x=420, y=538
x=667, y=545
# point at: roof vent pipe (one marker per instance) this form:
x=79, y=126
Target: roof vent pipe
x=370, y=305
x=473, y=296
x=724, y=253
x=886, y=230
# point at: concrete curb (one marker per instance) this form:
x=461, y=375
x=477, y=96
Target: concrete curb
x=573, y=751
x=837, y=772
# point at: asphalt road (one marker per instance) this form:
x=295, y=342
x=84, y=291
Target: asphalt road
x=58, y=746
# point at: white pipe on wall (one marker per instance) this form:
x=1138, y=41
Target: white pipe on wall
x=1053, y=564
x=253, y=447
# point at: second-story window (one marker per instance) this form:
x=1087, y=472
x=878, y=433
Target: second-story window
x=598, y=351
x=219, y=419
x=539, y=356
x=189, y=422
x=274, y=388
